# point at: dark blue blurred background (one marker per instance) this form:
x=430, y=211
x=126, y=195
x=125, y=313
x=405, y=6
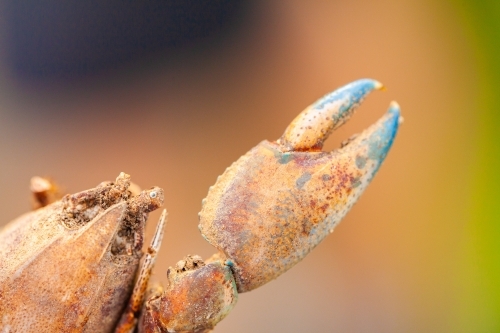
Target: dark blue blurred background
x=54, y=39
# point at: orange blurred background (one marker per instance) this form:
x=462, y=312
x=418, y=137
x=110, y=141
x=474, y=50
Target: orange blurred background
x=401, y=261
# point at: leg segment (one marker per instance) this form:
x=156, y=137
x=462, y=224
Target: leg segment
x=129, y=318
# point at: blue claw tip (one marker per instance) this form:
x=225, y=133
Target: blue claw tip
x=351, y=94
x=381, y=139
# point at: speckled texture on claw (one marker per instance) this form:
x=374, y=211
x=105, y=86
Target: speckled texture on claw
x=273, y=206
x=312, y=126
x=198, y=296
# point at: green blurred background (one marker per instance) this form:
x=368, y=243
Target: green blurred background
x=481, y=268
x=172, y=92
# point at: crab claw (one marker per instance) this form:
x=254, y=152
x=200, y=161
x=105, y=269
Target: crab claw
x=278, y=201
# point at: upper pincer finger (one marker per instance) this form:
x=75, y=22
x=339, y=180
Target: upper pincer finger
x=311, y=127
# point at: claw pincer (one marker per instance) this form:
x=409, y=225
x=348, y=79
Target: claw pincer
x=279, y=200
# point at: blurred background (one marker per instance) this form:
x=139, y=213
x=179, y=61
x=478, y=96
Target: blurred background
x=172, y=92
